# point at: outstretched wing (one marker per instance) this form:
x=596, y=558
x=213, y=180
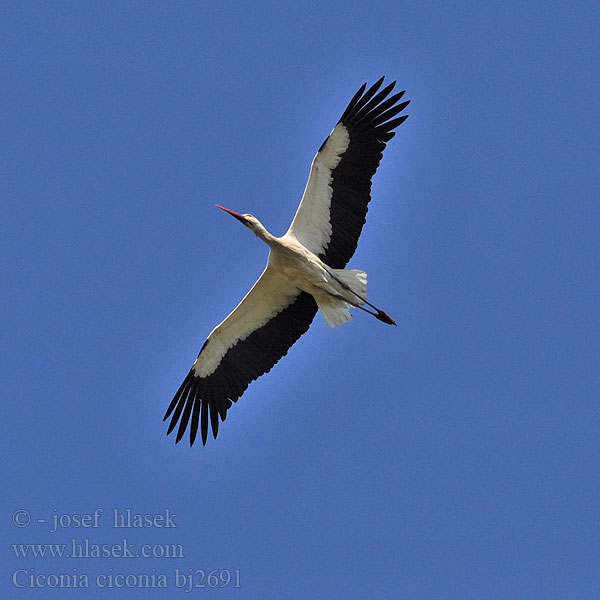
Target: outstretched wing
x=261, y=329
x=332, y=213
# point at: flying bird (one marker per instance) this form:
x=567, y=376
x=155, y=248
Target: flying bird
x=305, y=269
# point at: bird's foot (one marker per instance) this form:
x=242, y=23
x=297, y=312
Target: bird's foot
x=383, y=316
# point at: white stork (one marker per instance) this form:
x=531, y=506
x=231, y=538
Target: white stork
x=305, y=269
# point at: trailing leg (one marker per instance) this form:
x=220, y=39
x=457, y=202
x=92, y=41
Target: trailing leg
x=355, y=282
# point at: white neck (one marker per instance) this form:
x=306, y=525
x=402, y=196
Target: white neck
x=260, y=231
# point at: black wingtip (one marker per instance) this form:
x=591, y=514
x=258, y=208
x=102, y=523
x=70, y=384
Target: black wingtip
x=173, y=403
x=182, y=391
x=180, y=431
x=204, y=422
x=171, y=426
x=194, y=424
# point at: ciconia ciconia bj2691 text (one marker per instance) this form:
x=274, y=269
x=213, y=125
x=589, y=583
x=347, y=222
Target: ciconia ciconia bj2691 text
x=305, y=269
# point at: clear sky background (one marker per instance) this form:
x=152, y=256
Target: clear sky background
x=455, y=456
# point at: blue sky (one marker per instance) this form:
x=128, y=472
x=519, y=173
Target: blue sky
x=455, y=456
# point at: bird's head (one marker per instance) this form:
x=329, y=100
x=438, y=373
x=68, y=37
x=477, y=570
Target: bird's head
x=250, y=221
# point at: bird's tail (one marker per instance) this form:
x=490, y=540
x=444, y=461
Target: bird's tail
x=354, y=281
x=335, y=311
x=354, y=285
x=335, y=306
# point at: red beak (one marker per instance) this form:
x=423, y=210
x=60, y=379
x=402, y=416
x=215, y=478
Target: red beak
x=232, y=213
